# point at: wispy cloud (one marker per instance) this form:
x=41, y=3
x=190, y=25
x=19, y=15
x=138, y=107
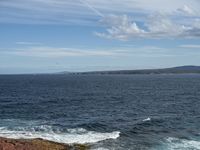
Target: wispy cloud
x=45, y=12
x=56, y=52
x=27, y=43
x=190, y=46
x=92, y=8
x=86, y=11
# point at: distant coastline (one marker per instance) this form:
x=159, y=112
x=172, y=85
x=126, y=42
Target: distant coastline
x=161, y=71
x=173, y=70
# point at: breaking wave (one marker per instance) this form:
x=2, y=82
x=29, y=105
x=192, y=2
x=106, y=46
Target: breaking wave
x=69, y=136
x=181, y=144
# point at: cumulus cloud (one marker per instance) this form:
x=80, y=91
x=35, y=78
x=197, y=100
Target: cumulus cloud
x=186, y=10
x=157, y=25
x=121, y=27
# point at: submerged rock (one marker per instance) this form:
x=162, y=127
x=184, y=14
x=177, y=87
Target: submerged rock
x=36, y=144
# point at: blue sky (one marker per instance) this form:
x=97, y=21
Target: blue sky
x=38, y=36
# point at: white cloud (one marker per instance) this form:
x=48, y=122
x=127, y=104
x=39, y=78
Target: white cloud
x=167, y=6
x=92, y=8
x=45, y=12
x=121, y=27
x=158, y=25
x=190, y=46
x=86, y=11
x=176, y=18
x=57, y=52
x=53, y=52
x=186, y=10
x=27, y=43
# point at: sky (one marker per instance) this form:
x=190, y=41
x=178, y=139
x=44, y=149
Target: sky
x=46, y=36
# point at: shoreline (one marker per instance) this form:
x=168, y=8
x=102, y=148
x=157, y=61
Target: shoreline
x=37, y=144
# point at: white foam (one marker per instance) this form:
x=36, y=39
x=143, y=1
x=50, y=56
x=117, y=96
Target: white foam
x=147, y=119
x=182, y=144
x=78, y=135
x=101, y=148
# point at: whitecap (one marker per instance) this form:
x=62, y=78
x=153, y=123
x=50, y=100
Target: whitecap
x=78, y=135
x=147, y=119
x=101, y=148
x=181, y=144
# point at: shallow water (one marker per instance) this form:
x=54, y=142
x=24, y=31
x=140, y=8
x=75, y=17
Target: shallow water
x=114, y=112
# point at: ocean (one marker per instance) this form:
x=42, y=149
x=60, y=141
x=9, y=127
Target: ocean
x=107, y=112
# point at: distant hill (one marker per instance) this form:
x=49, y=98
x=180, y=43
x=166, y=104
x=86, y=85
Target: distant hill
x=64, y=72
x=174, y=70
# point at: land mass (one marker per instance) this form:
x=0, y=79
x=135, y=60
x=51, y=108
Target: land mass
x=36, y=144
x=174, y=70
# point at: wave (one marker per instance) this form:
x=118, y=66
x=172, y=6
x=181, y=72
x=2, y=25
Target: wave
x=181, y=144
x=100, y=148
x=147, y=119
x=68, y=136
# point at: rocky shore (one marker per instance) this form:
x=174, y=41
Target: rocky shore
x=36, y=144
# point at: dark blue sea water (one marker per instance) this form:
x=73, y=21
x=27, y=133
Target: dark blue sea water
x=108, y=112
